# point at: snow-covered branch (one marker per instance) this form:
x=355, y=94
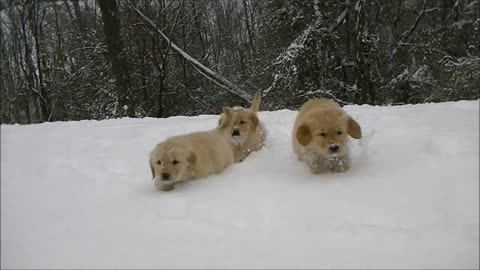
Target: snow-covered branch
x=294, y=48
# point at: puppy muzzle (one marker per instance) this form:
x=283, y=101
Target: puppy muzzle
x=334, y=148
x=165, y=177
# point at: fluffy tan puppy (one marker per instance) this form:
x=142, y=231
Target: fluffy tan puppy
x=320, y=136
x=192, y=156
x=247, y=131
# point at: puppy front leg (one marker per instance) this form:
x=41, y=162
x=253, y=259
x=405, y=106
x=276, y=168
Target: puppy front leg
x=318, y=166
x=239, y=155
x=340, y=164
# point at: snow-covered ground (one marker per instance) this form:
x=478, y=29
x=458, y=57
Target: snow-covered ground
x=80, y=195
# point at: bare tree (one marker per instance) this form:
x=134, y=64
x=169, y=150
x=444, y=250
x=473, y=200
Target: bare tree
x=98, y=59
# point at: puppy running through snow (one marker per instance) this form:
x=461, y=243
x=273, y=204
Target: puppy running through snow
x=247, y=132
x=320, y=136
x=192, y=156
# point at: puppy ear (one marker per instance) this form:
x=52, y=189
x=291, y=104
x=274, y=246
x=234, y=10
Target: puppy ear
x=354, y=129
x=304, y=135
x=254, y=121
x=151, y=168
x=220, y=120
x=256, y=101
x=192, y=158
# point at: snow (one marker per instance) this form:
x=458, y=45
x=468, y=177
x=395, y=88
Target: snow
x=316, y=7
x=80, y=195
x=422, y=74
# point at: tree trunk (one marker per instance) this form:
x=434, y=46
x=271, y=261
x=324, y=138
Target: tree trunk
x=29, y=70
x=362, y=67
x=198, y=32
x=161, y=89
x=249, y=28
x=184, y=61
x=36, y=26
x=116, y=55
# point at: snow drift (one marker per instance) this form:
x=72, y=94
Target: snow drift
x=80, y=195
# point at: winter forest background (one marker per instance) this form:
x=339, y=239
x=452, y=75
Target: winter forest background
x=86, y=59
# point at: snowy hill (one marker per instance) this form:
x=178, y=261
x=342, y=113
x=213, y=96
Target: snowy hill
x=80, y=195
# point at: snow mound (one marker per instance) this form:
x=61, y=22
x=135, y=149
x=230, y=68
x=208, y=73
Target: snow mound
x=80, y=195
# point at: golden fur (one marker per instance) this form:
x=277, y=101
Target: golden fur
x=192, y=156
x=247, y=132
x=320, y=136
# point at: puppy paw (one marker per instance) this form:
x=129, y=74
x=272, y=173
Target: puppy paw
x=169, y=187
x=317, y=168
x=339, y=169
x=339, y=164
x=162, y=186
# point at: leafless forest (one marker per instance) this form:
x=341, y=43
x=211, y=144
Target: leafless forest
x=86, y=59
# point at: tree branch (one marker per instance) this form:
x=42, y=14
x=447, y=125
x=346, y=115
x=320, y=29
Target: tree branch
x=208, y=73
x=414, y=26
x=171, y=32
x=338, y=21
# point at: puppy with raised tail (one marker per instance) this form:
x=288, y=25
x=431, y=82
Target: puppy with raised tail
x=320, y=136
x=247, y=131
x=192, y=156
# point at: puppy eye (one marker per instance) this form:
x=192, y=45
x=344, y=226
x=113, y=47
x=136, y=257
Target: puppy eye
x=159, y=162
x=339, y=132
x=322, y=134
x=175, y=162
x=242, y=122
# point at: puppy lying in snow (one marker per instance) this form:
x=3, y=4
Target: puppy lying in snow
x=320, y=136
x=192, y=156
x=247, y=132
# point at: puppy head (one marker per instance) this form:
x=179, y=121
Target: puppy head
x=326, y=131
x=170, y=163
x=243, y=126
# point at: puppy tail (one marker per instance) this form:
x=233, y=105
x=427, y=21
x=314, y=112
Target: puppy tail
x=256, y=101
x=227, y=121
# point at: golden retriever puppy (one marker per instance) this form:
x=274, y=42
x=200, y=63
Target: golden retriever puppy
x=247, y=132
x=320, y=136
x=192, y=156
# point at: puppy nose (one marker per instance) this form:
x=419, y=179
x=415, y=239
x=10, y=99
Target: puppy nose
x=334, y=148
x=236, y=132
x=165, y=176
